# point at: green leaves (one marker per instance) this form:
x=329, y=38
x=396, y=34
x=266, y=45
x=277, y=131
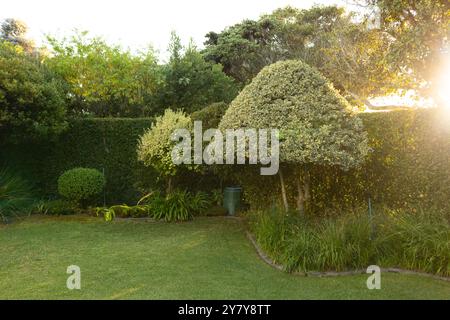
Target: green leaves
x=105, y=80
x=316, y=123
x=350, y=54
x=414, y=241
x=155, y=146
x=419, y=31
x=177, y=206
x=81, y=184
x=15, y=194
x=190, y=82
x=32, y=98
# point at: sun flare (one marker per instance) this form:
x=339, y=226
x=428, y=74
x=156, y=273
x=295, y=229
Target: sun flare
x=443, y=84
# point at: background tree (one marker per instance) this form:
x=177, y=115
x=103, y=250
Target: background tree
x=106, y=80
x=244, y=48
x=349, y=53
x=317, y=126
x=190, y=82
x=14, y=31
x=32, y=98
x=420, y=32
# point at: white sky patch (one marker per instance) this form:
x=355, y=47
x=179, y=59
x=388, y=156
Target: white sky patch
x=139, y=23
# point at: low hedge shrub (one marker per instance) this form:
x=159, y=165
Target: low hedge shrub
x=58, y=207
x=81, y=185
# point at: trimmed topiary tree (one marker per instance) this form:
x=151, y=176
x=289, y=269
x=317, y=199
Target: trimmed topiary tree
x=316, y=124
x=81, y=185
x=155, y=145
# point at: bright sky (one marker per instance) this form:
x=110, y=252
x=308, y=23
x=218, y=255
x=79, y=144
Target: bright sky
x=138, y=23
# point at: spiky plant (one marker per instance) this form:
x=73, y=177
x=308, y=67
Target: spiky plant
x=15, y=195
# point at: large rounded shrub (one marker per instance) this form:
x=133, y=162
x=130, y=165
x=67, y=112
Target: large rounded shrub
x=81, y=184
x=317, y=125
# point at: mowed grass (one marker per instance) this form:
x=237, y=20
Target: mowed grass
x=208, y=258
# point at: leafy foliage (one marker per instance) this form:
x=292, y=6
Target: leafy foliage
x=190, y=82
x=414, y=142
x=15, y=194
x=419, y=241
x=420, y=43
x=14, y=31
x=81, y=184
x=316, y=124
x=32, y=98
x=408, y=166
x=58, y=207
x=402, y=239
x=176, y=206
x=105, y=80
x=108, y=213
x=156, y=144
x=211, y=115
x=351, y=54
x=243, y=49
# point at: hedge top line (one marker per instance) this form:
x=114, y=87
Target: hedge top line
x=359, y=114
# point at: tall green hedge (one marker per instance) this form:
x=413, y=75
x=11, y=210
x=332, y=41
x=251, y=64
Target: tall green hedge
x=108, y=145
x=409, y=163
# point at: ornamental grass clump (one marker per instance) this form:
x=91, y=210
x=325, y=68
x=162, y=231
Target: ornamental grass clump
x=393, y=239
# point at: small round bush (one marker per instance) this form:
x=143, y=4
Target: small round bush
x=81, y=184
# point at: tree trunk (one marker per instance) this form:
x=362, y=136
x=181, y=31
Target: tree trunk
x=300, y=197
x=306, y=186
x=283, y=191
x=169, y=186
x=303, y=190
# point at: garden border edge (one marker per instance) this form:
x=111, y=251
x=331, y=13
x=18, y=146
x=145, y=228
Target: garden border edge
x=263, y=256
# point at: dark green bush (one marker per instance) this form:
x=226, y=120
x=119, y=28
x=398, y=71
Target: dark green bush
x=59, y=207
x=199, y=202
x=32, y=98
x=81, y=185
x=211, y=115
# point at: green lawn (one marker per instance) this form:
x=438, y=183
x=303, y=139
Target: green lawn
x=208, y=258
